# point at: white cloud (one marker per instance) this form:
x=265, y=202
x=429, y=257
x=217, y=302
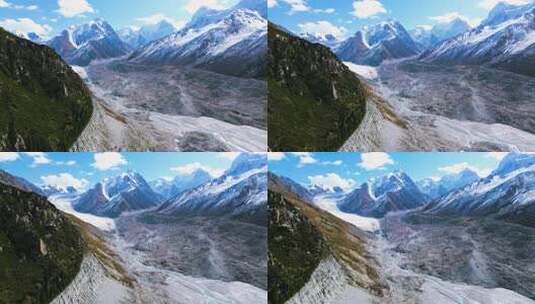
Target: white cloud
x=368, y=8
x=39, y=158
x=108, y=160
x=375, y=160
x=193, y=5
x=490, y=4
x=4, y=3
x=457, y=168
x=330, y=181
x=157, y=18
x=325, y=11
x=66, y=163
x=64, y=180
x=496, y=155
x=275, y=156
x=272, y=3
x=229, y=155
x=448, y=17
x=332, y=163
x=8, y=156
x=323, y=28
x=297, y=6
x=191, y=168
x=72, y=8
x=25, y=26
x=305, y=158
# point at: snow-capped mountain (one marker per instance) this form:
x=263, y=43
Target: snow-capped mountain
x=137, y=37
x=437, y=188
x=392, y=192
x=180, y=183
x=506, y=39
x=232, y=41
x=240, y=192
x=327, y=40
x=439, y=32
x=507, y=193
x=52, y=190
x=125, y=192
x=81, y=44
x=372, y=45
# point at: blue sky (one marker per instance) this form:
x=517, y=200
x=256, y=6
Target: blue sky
x=82, y=170
x=49, y=17
x=344, y=17
x=349, y=170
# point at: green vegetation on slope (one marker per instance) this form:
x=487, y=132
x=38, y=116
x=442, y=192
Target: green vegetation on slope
x=295, y=249
x=315, y=101
x=40, y=250
x=44, y=104
x=302, y=235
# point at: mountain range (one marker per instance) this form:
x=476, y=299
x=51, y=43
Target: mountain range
x=180, y=183
x=428, y=38
x=231, y=41
x=389, y=193
x=138, y=37
x=506, y=39
x=436, y=188
x=374, y=44
x=122, y=193
x=507, y=193
x=239, y=192
x=81, y=44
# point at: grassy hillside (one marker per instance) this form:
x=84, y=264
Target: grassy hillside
x=44, y=104
x=315, y=101
x=40, y=249
x=301, y=236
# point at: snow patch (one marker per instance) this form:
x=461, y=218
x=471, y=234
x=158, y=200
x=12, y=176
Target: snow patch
x=365, y=71
x=361, y=222
x=64, y=203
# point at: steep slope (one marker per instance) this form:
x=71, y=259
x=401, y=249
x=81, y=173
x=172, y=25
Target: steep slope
x=231, y=42
x=375, y=44
x=145, y=34
x=439, y=32
x=239, y=193
x=19, y=183
x=113, y=196
x=291, y=186
x=81, y=44
x=508, y=193
x=44, y=103
x=41, y=251
x=314, y=257
x=505, y=40
x=180, y=183
x=435, y=189
x=392, y=192
x=315, y=101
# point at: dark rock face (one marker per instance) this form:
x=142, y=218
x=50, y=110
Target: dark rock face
x=44, y=105
x=316, y=102
x=40, y=249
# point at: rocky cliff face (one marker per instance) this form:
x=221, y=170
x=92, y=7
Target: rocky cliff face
x=44, y=105
x=316, y=102
x=40, y=250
